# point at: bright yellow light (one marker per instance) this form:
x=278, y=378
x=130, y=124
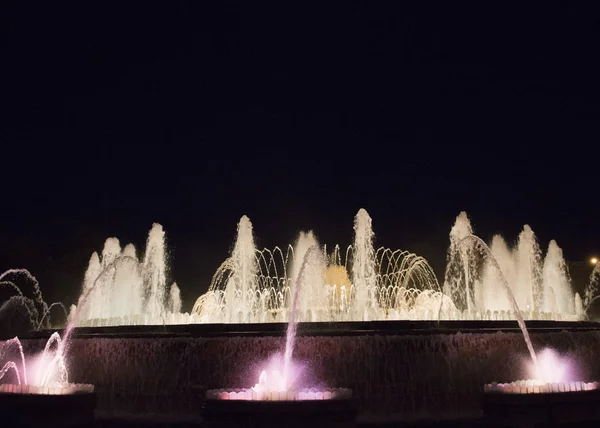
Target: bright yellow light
x=593, y=260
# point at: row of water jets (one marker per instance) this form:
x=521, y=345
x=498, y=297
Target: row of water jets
x=362, y=283
x=353, y=284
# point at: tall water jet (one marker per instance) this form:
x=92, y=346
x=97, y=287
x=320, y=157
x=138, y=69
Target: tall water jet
x=127, y=293
x=238, y=292
x=110, y=252
x=174, y=299
x=119, y=286
x=363, y=266
x=528, y=289
x=91, y=274
x=459, y=276
x=154, y=271
x=314, y=293
x=558, y=297
x=494, y=295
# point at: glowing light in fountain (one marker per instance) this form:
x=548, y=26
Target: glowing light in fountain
x=550, y=368
x=276, y=383
x=553, y=373
x=45, y=373
x=313, y=253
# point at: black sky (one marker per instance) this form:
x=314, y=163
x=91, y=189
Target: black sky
x=120, y=114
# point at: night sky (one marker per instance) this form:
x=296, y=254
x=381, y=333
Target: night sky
x=116, y=115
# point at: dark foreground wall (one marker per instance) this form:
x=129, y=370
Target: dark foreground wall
x=411, y=375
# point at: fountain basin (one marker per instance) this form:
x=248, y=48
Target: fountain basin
x=74, y=388
x=332, y=407
x=27, y=405
x=526, y=403
x=306, y=394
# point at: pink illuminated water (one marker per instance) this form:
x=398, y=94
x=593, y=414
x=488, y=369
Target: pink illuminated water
x=551, y=368
x=553, y=373
x=48, y=368
x=276, y=380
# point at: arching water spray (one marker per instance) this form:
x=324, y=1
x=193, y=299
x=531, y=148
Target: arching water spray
x=473, y=239
x=290, y=338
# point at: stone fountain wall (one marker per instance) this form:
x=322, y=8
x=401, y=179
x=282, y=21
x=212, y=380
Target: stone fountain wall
x=409, y=375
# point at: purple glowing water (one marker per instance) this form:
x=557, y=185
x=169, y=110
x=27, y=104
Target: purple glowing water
x=553, y=373
x=552, y=368
x=48, y=368
x=43, y=370
x=277, y=381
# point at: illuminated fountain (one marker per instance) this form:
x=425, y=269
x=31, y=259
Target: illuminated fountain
x=127, y=290
x=541, y=286
x=279, y=381
x=45, y=373
x=38, y=390
x=357, y=284
x=41, y=381
x=552, y=374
